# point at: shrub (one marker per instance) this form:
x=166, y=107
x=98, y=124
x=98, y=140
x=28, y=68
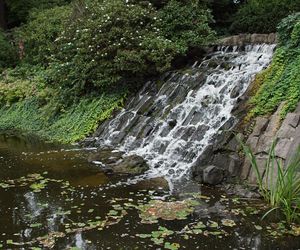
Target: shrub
x=117, y=43
x=110, y=42
x=186, y=23
x=39, y=34
x=289, y=30
x=18, y=11
x=8, y=53
x=262, y=16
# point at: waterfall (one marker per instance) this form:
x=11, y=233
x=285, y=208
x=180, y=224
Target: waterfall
x=171, y=121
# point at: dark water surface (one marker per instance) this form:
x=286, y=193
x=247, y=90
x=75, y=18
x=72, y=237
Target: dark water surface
x=51, y=197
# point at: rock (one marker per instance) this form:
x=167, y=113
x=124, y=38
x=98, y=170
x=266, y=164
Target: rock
x=293, y=119
x=228, y=124
x=245, y=39
x=235, y=92
x=114, y=161
x=246, y=169
x=264, y=144
x=234, y=166
x=261, y=123
x=131, y=165
x=234, y=145
x=283, y=147
x=252, y=143
x=286, y=131
x=158, y=183
x=106, y=156
x=274, y=122
x=172, y=123
x=272, y=38
x=145, y=104
x=298, y=109
x=241, y=191
x=294, y=148
x=261, y=164
x=213, y=175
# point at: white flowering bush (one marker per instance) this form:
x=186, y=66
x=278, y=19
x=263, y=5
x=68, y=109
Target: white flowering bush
x=99, y=45
x=110, y=42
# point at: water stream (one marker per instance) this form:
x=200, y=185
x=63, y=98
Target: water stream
x=171, y=121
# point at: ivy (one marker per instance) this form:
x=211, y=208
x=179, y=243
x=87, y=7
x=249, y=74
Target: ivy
x=281, y=81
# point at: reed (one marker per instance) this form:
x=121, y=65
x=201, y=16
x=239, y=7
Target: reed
x=279, y=185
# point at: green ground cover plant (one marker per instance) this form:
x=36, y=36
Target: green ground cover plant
x=281, y=81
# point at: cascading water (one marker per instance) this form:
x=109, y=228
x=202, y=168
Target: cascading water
x=171, y=121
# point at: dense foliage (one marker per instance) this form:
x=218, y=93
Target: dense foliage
x=8, y=53
x=18, y=11
x=186, y=23
x=281, y=81
x=93, y=48
x=262, y=16
x=39, y=34
x=108, y=43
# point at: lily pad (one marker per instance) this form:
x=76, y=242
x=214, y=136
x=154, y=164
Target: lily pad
x=228, y=223
x=157, y=209
x=171, y=246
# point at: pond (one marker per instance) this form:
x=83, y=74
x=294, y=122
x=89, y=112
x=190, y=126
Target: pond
x=51, y=197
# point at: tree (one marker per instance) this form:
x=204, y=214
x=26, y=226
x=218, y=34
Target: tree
x=262, y=16
x=3, y=22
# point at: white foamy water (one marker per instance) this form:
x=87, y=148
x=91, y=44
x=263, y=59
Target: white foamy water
x=171, y=127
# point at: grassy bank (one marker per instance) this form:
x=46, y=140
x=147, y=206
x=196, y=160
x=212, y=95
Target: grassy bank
x=71, y=125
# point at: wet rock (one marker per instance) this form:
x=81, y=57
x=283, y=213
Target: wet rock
x=213, y=175
x=172, y=123
x=199, y=133
x=130, y=165
x=234, y=145
x=144, y=104
x=188, y=132
x=158, y=183
x=116, y=162
x=106, y=156
x=228, y=124
x=242, y=191
x=235, y=92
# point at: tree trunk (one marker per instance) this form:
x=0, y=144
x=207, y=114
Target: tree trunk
x=3, y=22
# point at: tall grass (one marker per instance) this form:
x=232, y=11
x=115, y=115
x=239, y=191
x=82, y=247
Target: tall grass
x=278, y=184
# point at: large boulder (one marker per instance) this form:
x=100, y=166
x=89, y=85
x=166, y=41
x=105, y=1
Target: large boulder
x=115, y=162
x=213, y=175
x=157, y=183
x=131, y=165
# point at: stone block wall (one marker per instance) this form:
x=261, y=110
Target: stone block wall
x=266, y=130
